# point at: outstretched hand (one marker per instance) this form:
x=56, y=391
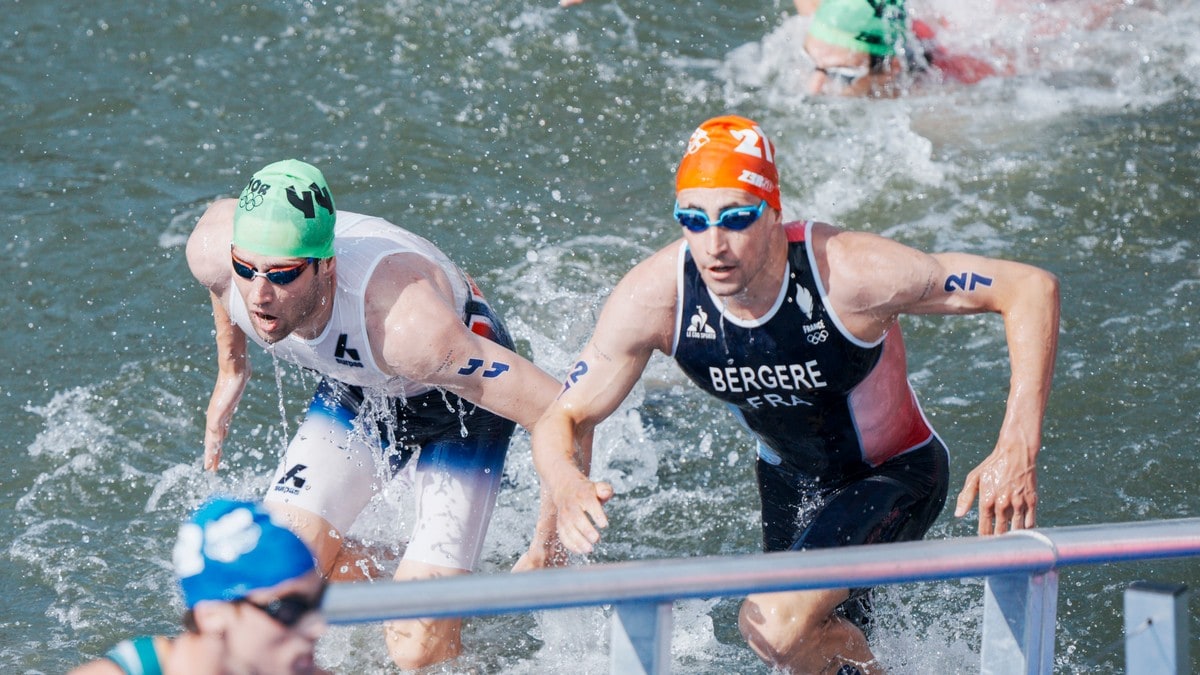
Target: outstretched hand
x=541, y=557
x=579, y=506
x=1006, y=484
x=545, y=550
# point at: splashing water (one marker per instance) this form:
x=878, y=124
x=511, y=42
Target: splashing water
x=282, y=407
x=460, y=410
x=536, y=144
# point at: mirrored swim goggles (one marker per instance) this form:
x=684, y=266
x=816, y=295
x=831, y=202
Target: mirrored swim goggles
x=734, y=218
x=290, y=609
x=280, y=276
x=840, y=75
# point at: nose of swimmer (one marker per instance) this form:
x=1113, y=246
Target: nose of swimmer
x=716, y=239
x=261, y=290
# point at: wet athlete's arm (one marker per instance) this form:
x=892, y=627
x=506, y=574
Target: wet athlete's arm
x=1028, y=299
x=233, y=372
x=420, y=334
x=411, y=304
x=636, y=320
x=891, y=279
x=208, y=250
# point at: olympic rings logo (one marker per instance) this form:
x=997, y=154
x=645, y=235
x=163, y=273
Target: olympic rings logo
x=254, y=194
x=248, y=202
x=818, y=337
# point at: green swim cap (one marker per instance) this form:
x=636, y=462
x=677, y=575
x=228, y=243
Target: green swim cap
x=286, y=211
x=872, y=26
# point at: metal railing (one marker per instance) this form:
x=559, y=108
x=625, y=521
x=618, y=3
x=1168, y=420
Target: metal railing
x=1020, y=569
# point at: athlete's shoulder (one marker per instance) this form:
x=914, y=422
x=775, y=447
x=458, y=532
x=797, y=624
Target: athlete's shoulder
x=647, y=292
x=370, y=236
x=668, y=255
x=655, y=275
x=855, y=253
x=347, y=220
x=352, y=227
x=208, y=246
x=796, y=231
x=217, y=219
x=399, y=269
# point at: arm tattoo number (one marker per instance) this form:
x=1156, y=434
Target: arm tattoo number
x=966, y=281
x=475, y=364
x=577, y=372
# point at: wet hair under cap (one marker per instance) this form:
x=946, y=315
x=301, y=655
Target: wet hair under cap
x=230, y=548
x=730, y=152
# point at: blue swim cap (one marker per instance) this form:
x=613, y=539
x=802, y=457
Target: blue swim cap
x=230, y=548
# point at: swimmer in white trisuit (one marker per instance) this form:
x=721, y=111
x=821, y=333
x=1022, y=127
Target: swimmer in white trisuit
x=414, y=363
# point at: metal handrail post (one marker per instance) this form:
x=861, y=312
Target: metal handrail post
x=640, y=642
x=1019, y=611
x=1156, y=629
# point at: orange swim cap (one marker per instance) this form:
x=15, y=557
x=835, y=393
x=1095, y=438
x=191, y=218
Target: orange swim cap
x=730, y=152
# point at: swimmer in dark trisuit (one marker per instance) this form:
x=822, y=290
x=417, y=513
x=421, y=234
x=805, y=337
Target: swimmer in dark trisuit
x=864, y=48
x=253, y=598
x=795, y=326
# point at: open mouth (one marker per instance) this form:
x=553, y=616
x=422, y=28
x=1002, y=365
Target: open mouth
x=267, y=322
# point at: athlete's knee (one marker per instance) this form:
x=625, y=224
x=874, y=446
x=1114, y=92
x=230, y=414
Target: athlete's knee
x=774, y=629
x=785, y=629
x=322, y=538
x=420, y=643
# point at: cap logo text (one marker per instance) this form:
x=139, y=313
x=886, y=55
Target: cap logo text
x=305, y=204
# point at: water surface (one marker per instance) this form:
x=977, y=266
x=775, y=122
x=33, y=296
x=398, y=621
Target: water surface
x=536, y=145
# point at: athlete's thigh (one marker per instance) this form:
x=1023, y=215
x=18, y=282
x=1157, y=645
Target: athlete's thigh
x=866, y=512
x=456, y=482
x=330, y=468
x=787, y=499
x=898, y=501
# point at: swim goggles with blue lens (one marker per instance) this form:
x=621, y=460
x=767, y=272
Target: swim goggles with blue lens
x=734, y=218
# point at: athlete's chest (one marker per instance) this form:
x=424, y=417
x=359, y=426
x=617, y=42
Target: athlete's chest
x=794, y=350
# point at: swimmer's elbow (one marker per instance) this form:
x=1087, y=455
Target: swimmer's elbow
x=236, y=372
x=232, y=358
x=1046, y=285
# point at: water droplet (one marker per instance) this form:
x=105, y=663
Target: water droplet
x=279, y=392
